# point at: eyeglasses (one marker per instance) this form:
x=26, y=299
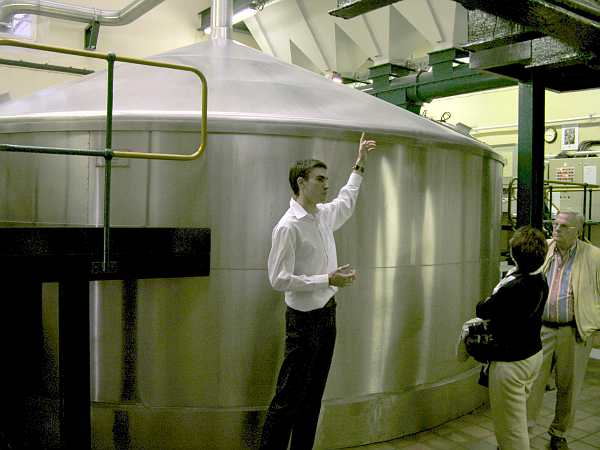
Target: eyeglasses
x=563, y=226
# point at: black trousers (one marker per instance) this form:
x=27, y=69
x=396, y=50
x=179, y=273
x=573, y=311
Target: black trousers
x=294, y=410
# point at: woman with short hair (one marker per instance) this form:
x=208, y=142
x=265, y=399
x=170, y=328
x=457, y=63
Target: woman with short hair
x=515, y=313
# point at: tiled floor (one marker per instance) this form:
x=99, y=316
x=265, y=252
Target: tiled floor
x=475, y=431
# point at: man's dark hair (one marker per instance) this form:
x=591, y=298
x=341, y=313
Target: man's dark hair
x=302, y=169
x=528, y=248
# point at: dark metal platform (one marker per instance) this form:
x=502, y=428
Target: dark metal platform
x=54, y=254
x=72, y=257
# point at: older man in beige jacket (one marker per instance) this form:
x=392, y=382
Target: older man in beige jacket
x=572, y=314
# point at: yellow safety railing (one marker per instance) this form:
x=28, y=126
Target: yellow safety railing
x=108, y=153
x=111, y=58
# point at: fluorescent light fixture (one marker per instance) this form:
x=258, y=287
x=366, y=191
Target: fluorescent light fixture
x=239, y=16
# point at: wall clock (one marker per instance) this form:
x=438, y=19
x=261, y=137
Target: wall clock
x=550, y=135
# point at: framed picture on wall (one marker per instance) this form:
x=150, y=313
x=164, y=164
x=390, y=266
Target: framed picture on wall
x=569, y=138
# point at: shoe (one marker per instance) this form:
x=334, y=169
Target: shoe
x=558, y=443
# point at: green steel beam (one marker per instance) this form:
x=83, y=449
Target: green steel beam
x=393, y=84
x=382, y=74
x=530, y=198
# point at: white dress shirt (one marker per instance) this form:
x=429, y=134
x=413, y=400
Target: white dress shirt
x=303, y=249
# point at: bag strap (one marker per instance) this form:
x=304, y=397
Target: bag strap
x=537, y=306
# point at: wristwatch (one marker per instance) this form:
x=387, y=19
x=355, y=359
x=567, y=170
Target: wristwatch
x=358, y=168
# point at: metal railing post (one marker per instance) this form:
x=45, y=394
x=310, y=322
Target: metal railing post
x=589, y=228
x=108, y=160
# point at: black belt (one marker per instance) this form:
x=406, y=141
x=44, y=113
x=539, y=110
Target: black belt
x=558, y=324
x=330, y=303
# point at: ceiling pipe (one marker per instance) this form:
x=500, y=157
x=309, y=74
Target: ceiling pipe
x=581, y=152
x=131, y=12
x=221, y=19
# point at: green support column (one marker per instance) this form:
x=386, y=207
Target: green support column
x=530, y=205
x=442, y=62
x=382, y=73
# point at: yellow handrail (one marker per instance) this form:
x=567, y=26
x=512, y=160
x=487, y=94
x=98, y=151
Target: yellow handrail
x=124, y=153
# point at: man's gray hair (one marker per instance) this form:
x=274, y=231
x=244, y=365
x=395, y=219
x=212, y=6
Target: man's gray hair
x=574, y=217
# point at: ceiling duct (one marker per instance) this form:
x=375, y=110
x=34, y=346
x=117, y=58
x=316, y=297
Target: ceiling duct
x=221, y=19
x=241, y=10
x=76, y=13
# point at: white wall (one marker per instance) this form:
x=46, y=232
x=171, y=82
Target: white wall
x=493, y=115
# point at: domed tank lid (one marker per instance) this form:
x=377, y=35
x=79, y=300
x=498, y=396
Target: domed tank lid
x=247, y=90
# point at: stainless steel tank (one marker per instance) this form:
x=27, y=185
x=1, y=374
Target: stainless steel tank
x=424, y=238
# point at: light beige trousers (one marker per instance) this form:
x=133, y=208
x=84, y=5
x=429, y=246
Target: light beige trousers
x=510, y=384
x=567, y=357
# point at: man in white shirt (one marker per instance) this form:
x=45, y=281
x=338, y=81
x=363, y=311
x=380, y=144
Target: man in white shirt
x=303, y=264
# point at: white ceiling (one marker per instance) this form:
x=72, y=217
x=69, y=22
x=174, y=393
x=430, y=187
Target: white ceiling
x=302, y=32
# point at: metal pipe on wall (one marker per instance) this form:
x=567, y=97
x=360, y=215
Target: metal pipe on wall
x=582, y=152
x=76, y=13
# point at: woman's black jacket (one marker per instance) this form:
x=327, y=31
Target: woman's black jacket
x=515, y=312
